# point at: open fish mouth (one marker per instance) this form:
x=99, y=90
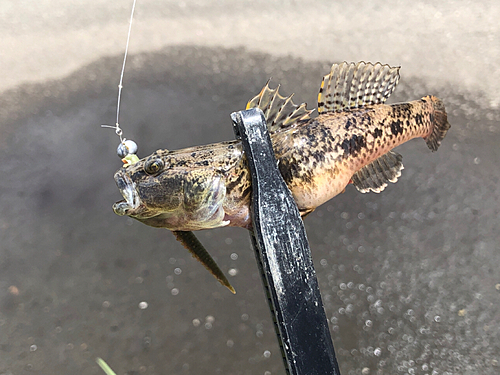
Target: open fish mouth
x=129, y=192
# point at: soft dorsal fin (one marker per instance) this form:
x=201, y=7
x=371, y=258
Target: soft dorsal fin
x=280, y=111
x=350, y=86
x=375, y=176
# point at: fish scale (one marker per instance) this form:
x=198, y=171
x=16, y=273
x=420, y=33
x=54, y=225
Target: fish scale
x=350, y=141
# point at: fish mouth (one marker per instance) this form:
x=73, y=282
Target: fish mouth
x=128, y=191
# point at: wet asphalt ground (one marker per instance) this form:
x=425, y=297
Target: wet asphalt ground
x=410, y=277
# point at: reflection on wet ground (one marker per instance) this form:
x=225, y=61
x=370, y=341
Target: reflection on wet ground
x=409, y=277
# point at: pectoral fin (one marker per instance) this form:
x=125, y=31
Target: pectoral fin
x=198, y=251
x=375, y=176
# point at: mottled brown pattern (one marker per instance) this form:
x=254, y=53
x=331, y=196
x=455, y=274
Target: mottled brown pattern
x=209, y=186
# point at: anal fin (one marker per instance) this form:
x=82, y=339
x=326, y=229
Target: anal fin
x=376, y=175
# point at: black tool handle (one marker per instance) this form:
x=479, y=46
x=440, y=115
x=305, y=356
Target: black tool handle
x=284, y=256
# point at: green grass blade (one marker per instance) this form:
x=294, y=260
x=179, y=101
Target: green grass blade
x=104, y=366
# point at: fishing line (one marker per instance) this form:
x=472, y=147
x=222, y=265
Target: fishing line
x=127, y=148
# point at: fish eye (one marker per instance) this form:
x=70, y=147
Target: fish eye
x=154, y=166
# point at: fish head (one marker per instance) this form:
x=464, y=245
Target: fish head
x=166, y=190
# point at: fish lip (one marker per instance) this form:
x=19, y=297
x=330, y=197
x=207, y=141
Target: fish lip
x=128, y=191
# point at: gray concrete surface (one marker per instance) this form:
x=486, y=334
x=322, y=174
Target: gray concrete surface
x=409, y=277
x=452, y=42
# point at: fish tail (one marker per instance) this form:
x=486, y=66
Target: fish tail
x=440, y=124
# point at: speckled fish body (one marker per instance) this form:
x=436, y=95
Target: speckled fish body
x=209, y=186
x=319, y=159
x=350, y=141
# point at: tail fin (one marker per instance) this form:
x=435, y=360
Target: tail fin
x=441, y=124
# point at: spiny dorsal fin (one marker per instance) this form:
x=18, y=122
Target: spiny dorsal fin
x=352, y=85
x=280, y=111
x=375, y=176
